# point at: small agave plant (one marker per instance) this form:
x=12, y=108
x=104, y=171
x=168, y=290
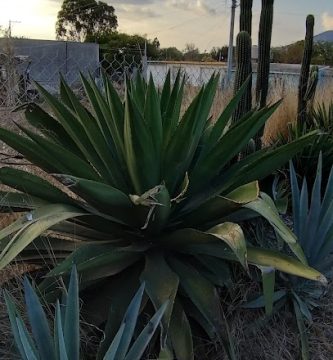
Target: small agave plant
x=65, y=342
x=313, y=225
x=148, y=191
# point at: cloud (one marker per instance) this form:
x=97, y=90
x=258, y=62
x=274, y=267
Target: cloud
x=198, y=6
x=133, y=2
x=327, y=21
x=112, y=2
x=132, y=12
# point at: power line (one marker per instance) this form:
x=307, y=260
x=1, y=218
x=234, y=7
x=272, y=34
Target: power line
x=180, y=24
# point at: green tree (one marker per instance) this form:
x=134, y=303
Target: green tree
x=219, y=53
x=290, y=54
x=323, y=53
x=191, y=53
x=113, y=42
x=293, y=53
x=79, y=19
x=171, y=53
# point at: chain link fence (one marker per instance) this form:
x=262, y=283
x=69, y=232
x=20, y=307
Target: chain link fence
x=23, y=61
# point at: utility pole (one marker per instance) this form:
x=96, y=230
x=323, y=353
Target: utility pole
x=10, y=22
x=231, y=40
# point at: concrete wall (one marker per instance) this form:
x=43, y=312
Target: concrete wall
x=50, y=58
x=197, y=74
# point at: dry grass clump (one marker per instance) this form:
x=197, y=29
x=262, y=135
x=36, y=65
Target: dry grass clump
x=287, y=111
x=259, y=338
x=321, y=331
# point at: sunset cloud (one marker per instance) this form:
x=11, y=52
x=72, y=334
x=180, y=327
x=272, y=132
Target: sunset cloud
x=198, y=6
x=327, y=21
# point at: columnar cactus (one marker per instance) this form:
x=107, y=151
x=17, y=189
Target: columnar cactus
x=264, y=51
x=243, y=71
x=245, y=19
x=305, y=70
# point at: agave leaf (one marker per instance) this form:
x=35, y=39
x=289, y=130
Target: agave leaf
x=171, y=110
x=328, y=196
x=39, y=323
x=108, y=165
x=266, y=208
x=72, y=318
x=302, y=331
x=229, y=145
x=257, y=257
x=180, y=333
x=31, y=228
x=130, y=319
x=224, y=119
x=59, y=335
x=99, y=106
x=165, y=354
x=295, y=194
x=12, y=314
x=28, y=350
x=138, y=89
x=160, y=211
x=232, y=234
x=260, y=301
x=103, y=197
x=109, y=113
x=75, y=130
x=166, y=92
x=303, y=210
x=31, y=151
x=95, y=261
x=260, y=164
x=183, y=144
x=218, y=206
x=118, y=305
x=325, y=227
x=201, y=292
x=69, y=162
x=228, y=234
x=194, y=313
x=268, y=281
x=152, y=114
x=112, y=351
x=159, y=291
x=139, y=149
x=32, y=185
x=309, y=233
x=50, y=127
x=303, y=307
x=137, y=349
x=283, y=263
x=116, y=122
x=218, y=271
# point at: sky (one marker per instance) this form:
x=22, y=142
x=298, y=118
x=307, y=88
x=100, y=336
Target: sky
x=174, y=22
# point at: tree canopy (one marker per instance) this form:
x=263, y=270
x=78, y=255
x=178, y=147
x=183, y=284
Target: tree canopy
x=111, y=42
x=293, y=53
x=79, y=19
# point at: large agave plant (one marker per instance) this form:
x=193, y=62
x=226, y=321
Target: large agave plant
x=147, y=195
x=65, y=342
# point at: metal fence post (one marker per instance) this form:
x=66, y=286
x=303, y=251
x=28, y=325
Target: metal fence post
x=145, y=63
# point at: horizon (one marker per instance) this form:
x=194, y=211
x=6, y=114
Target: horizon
x=152, y=19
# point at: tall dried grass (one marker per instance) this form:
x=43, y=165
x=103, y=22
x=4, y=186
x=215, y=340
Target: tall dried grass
x=287, y=111
x=284, y=115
